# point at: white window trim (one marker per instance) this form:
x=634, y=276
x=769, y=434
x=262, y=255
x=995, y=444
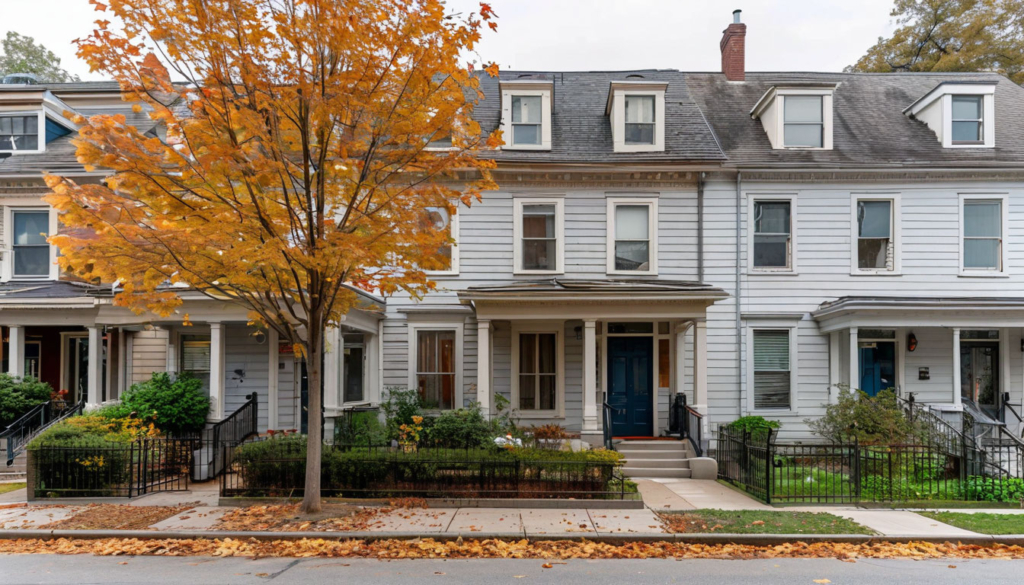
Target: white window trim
x=558, y=328
x=895, y=234
x=943, y=129
x=1004, y=257
x=453, y=224
x=652, y=230
x=617, y=112
x=826, y=117
x=531, y=88
x=517, y=233
x=774, y=325
x=459, y=329
x=7, y=267
x=41, y=126
x=791, y=198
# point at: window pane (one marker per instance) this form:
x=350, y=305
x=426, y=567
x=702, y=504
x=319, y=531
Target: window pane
x=426, y=352
x=526, y=110
x=438, y=219
x=527, y=392
x=631, y=222
x=803, y=108
x=538, y=221
x=771, y=217
x=539, y=255
x=876, y=334
x=873, y=218
x=664, y=364
x=446, y=349
x=631, y=327
x=771, y=251
x=525, y=134
x=195, y=353
x=983, y=219
x=967, y=107
x=640, y=109
x=979, y=334
x=6, y=123
x=32, y=261
x=632, y=256
x=771, y=390
x=872, y=253
x=547, y=347
x=803, y=135
x=18, y=125
x=981, y=254
x=967, y=132
x=771, y=350
x=436, y=390
x=527, y=353
x=639, y=133
x=31, y=228
x=31, y=124
x=547, y=392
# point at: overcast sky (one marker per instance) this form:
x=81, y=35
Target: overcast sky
x=782, y=35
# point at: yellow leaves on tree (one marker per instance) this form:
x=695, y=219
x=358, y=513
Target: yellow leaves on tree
x=291, y=159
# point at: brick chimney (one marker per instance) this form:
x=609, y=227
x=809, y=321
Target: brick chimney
x=733, y=49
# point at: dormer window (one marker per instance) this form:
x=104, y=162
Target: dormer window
x=526, y=114
x=19, y=133
x=636, y=111
x=797, y=117
x=961, y=114
x=804, y=123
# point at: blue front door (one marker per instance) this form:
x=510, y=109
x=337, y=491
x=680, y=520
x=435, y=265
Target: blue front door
x=631, y=385
x=877, y=367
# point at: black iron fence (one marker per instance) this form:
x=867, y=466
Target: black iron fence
x=276, y=468
x=129, y=470
x=851, y=472
x=20, y=432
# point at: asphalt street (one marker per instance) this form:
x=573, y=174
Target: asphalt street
x=85, y=569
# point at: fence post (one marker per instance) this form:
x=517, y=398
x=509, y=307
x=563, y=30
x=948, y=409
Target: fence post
x=856, y=468
x=769, y=464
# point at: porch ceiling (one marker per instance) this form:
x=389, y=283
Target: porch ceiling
x=883, y=312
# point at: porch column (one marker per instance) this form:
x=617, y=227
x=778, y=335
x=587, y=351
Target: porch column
x=16, y=351
x=853, y=376
x=273, y=358
x=334, y=352
x=483, y=366
x=957, y=391
x=95, y=372
x=834, y=365
x=700, y=366
x=1004, y=363
x=679, y=367
x=217, y=371
x=590, y=419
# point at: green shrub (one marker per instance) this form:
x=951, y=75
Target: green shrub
x=870, y=419
x=359, y=428
x=176, y=406
x=18, y=396
x=399, y=408
x=464, y=428
x=990, y=489
x=755, y=425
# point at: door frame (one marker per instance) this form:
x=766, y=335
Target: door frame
x=65, y=341
x=1000, y=370
x=655, y=337
x=897, y=358
x=651, y=382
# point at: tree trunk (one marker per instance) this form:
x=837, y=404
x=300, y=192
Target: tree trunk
x=314, y=354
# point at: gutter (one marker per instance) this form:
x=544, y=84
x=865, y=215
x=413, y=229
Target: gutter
x=700, y=226
x=738, y=295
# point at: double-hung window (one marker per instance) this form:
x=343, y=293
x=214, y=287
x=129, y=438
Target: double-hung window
x=538, y=371
x=803, y=121
x=538, y=234
x=527, y=120
x=773, y=235
x=19, y=132
x=640, y=124
x=982, y=247
x=968, y=122
x=439, y=219
x=435, y=368
x=632, y=236
x=29, y=247
x=875, y=224
x=195, y=357
x=772, y=372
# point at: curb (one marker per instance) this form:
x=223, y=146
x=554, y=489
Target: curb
x=451, y=503
x=605, y=538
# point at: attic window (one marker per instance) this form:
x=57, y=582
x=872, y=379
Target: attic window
x=968, y=119
x=961, y=114
x=797, y=117
x=804, y=123
x=636, y=111
x=19, y=132
x=640, y=119
x=526, y=114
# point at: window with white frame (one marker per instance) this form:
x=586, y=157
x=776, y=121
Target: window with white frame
x=435, y=377
x=962, y=115
x=195, y=357
x=804, y=121
x=773, y=235
x=440, y=219
x=538, y=371
x=632, y=236
x=640, y=119
x=29, y=247
x=527, y=120
x=797, y=117
x=19, y=132
x=772, y=373
x=876, y=232
x=968, y=119
x=526, y=114
x=539, y=236
x=636, y=111
x=982, y=248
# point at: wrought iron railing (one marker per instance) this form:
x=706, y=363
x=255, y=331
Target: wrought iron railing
x=23, y=430
x=606, y=424
x=687, y=423
x=228, y=433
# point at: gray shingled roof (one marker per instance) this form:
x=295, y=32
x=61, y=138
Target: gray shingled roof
x=870, y=128
x=580, y=129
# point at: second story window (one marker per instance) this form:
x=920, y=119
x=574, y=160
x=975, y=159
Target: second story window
x=968, y=119
x=526, y=120
x=19, y=132
x=773, y=230
x=803, y=122
x=640, y=119
x=875, y=250
x=982, y=242
x=632, y=236
x=439, y=219
x=29, y=246
x=538, y=233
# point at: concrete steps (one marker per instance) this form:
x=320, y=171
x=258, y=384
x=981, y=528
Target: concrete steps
x=655, y=458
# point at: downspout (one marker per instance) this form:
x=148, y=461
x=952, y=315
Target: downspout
x=700, y=226
x=738, y=295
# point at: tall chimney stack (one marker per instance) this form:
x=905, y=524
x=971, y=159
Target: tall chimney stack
x=733, y=47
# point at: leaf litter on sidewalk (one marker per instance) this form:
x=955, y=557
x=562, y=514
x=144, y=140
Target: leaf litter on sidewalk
x=118, y=517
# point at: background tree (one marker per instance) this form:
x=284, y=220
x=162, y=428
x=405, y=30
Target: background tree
x=295, y=162
x=22, y=55
x=952, y=35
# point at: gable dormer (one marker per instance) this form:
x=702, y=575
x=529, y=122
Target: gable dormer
x=636, y=110
x=961, y=114
x=30, y=118
x=797, y=117
x=526, y=113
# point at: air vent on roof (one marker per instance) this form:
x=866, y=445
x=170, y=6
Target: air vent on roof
x=634, y=76
x=529, y=76
x=20, y=78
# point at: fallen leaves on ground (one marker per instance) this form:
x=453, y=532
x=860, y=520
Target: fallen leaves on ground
x=519, y=549
x=333, y=518
x=117, y=517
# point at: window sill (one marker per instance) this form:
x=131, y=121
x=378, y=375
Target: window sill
x=445, y=273
x=769, y=272
x=876, y=273
x=632, y=273
x=535, y=272
x=774, y=412
x=525, y=147
x=983, y=274
x=541, y=414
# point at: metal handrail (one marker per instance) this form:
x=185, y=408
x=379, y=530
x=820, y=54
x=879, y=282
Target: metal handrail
x=30, y=424
x=227, y=433
x=695, y=420
x=607, y=424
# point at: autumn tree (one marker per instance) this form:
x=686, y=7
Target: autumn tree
x=21, y=54
x=952, y=35
x=294, y=162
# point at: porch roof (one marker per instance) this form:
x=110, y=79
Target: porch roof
x=882, y=312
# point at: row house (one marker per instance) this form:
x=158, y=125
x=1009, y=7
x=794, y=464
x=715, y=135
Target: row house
x=754, y=241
